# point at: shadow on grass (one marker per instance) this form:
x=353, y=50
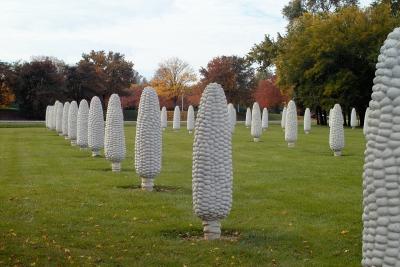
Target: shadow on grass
x=158, y=188
x=196, y=234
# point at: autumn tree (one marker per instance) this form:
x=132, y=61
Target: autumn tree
x=173, y=79
x=268, y=95
x=100, y=73
x=7, y=79
x=235, y=75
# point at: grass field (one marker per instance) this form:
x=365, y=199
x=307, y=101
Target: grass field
x=291, y=207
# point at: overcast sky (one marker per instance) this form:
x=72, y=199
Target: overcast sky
x=146, y=31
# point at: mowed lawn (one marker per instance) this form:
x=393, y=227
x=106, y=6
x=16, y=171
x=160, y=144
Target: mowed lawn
x=291, y=207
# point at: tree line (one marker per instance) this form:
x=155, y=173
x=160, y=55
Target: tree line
x=326, y=55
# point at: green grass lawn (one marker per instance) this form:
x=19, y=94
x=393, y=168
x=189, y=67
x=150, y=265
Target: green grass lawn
x=291, y=207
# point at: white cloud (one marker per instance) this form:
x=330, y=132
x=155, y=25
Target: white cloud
x=147, y=32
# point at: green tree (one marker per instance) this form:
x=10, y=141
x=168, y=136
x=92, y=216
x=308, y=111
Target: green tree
x=38, y=83
x=329, y=58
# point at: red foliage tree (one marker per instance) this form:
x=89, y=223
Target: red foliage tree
x=267, y=94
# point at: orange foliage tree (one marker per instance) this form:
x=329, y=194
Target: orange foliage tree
x=268, y=95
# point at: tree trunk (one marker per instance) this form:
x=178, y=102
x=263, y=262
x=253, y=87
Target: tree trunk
x=324, y=119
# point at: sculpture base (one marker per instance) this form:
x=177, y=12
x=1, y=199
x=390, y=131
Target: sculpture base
x=60, y=134
x=147, y=184
x=190, y=132
x=212, y=230
x=116, y=166
x=353, y=127
x=291, y=145
x=83, y=148
x=66, y=137
x=264, y=129
x=256, y=139
x=306, y=132
x=337, y=153
x=95, y=153
x=73, y=142
x=163, y=129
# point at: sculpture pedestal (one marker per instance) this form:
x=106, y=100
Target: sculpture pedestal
x=73, y=142
x=190, y=132
x=337, y=153
x=116, y=166
x=147, y=184
x=83, y=148
x=95, y=153
x=307, y=132
x=290, y=145
x=212, y=230
x=66, y=137
x=163, y=129
x=256, y=139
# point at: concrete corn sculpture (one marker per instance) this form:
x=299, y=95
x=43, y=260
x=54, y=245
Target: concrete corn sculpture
x=164, y=118
x=330, y=117
x=264, y=119
x=366, y=118
x=59, y=116
x=51, y=115
x=82, y=125
x=283, y=119
x=72, y=122
x=148, y=141
x=307, y=121
x=247, y=123
x=176, y=124
x=353, y=119
x=95, y=126
x=256, y=129
x=291, y=124
x=212, y=161
x=190, y=119
x=47, y=117
x=336, y=133
x=232, y=116
x=54, y=116
x=65, y=120
x=381, y=194
x=114, y=140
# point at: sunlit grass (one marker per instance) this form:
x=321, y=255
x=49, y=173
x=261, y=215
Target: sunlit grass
x=291, y=207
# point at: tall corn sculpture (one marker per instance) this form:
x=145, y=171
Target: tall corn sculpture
x=212, y=161
x=114, y=140
x=381, y=178
x=164, y=118
x=65, y=120
x=264, y=119
x=353, y=119
x=247, y=122
x=82, y=125
x=72, y=122
x=148, y=141
x=283, y=119
x=336, y=132
x=232, y=116
x=366, y=119
x=59, y=117
x=307, y=121
x=256, y=129
x=95, y=126
x=190, y=119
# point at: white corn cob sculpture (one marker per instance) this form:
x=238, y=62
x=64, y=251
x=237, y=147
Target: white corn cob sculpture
x=148, y=142
x=366, y=118
x=291, y=124
x=59, y=116
x=72, y=122
x=190, y=119
x=65, y=120
x=82, y=125
x=114, y=140
x=264, y=119
x=381, y=177
x=176, y=124
x=307, y=121
x=95, y=126
x=212, y=161
x=330, y=117
x=164, y=118
x=247, y=123
x=336, y=133
x=232, y=116
x=283, y=119
x=47, y=116
x=256, y=129
x=54, y=116
x=353, y=119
